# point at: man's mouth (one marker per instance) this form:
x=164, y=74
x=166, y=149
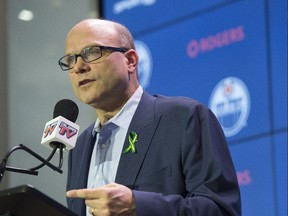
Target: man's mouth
x=85, y=81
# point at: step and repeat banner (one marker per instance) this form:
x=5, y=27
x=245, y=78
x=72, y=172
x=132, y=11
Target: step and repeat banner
x=232, y=57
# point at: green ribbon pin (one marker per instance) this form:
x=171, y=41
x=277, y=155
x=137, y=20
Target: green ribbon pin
x=133, y=138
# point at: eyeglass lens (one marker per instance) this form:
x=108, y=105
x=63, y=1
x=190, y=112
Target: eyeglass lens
x=88, y=54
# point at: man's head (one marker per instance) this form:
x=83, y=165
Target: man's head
x=108, y=82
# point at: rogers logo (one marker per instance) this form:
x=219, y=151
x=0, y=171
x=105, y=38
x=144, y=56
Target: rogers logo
x=220, y=39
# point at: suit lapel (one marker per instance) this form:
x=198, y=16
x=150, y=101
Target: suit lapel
x=85, y=157
x=144, y=123
x=82, y=159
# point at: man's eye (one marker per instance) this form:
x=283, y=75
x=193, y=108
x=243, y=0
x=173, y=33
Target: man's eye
x=94, y=51
x=70, y=59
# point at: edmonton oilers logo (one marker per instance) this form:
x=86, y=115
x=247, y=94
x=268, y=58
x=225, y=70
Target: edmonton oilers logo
x=145, y=63
x=230, y=102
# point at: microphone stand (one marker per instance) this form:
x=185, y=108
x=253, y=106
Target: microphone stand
x=32, y=171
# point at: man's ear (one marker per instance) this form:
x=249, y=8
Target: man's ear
x=132, y=60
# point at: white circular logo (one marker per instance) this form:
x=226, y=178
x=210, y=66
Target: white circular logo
x=230, y=102
x=145, y=63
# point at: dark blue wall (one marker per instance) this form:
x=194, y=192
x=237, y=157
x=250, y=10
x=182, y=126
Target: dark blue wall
x=232, y=57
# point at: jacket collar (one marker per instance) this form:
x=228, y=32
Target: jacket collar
x=144, y=123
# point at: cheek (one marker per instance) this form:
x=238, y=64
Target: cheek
x=118, y=72
x=74, y=82
x=73, y=79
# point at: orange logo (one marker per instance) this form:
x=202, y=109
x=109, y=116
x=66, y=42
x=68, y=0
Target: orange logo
x=49, y=129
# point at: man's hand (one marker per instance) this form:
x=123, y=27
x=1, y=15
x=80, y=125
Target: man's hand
x=111, y=199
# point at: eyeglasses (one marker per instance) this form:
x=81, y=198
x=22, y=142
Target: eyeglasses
x=88, y=54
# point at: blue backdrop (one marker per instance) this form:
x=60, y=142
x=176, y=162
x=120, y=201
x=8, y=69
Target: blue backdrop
x=232, y=57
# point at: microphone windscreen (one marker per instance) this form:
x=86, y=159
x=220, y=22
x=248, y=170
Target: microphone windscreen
x=67, y=109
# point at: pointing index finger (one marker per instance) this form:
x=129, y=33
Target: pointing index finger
x=85, y=193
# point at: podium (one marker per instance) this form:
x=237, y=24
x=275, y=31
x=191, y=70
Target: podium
x=25, y=200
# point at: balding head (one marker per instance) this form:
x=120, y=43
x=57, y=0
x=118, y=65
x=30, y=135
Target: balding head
x=112, y=31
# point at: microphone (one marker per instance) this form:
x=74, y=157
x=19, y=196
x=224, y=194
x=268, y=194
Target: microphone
x=61, y=130
x=59, y=133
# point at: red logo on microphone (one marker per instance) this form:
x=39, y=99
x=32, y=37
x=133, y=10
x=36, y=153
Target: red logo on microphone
x=49, y=129
x=67, y=129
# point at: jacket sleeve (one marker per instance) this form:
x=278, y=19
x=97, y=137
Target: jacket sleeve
x=210, y=178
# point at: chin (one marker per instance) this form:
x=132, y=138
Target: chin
x=88, y=101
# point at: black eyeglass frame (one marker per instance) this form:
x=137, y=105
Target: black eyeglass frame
x=114, y=49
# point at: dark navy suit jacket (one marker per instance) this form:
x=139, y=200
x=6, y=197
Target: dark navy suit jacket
x=182, y=165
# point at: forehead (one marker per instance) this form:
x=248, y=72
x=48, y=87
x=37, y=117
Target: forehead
x=91, y=33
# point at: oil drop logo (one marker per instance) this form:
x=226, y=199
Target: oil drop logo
x=230, y=102
x=145, y=63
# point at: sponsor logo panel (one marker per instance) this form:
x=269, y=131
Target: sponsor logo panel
x=145, y=65
x=121, y=6
x=230, y=102
x=195, y=47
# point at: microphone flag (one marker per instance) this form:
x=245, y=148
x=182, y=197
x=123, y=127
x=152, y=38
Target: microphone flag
x=60, y=130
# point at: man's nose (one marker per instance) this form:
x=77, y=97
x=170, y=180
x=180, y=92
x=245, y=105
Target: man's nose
x=81, y=66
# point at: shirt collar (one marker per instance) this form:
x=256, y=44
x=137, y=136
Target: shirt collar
x=124, y=116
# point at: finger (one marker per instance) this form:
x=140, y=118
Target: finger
x=85, y=193
x=93, y=202
x=90, y=193
x=111, y=185
x=91, y=211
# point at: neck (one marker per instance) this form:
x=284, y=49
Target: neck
x=108, y=111
x=105, y=116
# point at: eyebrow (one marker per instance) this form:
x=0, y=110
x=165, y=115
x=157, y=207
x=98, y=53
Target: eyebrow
x=91, y=45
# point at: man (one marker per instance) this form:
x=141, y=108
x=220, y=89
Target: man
x=162, y=155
